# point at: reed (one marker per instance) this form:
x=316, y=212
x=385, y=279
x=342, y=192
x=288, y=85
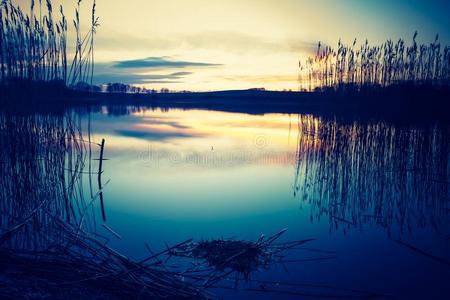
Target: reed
x=357, y=173
x=34, y=47
x=382, y=65
x=218, y=259
x=83, y=266
x=41, y=172
x=49, y=242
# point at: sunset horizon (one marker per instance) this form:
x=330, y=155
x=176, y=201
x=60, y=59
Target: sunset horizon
x=233, y=45
x=224, y=149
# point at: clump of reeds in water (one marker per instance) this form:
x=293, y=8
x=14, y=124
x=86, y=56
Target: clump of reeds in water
x=33, y=46
x=380, y=65
x=232, y=264
x=82, y=265
x=241, y=256
x=227, y=256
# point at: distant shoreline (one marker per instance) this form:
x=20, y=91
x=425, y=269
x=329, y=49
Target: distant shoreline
x=398, y=102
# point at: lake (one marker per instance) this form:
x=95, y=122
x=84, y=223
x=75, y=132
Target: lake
x=375, y=195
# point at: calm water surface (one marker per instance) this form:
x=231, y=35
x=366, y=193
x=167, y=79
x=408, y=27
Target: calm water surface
x=358, y=188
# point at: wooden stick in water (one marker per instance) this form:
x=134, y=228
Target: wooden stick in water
x=100, y=166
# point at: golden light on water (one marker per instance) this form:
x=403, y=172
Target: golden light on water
x=214, y=137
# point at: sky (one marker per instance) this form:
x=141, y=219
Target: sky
x=204, y=45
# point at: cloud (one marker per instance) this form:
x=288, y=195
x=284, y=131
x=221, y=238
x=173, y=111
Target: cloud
x=296, y=45
x=153, y=135
x=160, y=62
x=235, y=42
x=157, y=121
x=266, y=78
x=181, y=73
x=137, y=71
x=106, y=73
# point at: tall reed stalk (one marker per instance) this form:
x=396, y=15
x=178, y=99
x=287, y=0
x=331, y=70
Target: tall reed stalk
x=381, y=65
x=33, y=46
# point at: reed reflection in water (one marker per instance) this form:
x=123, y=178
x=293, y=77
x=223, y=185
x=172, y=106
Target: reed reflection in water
x=366, y=175
x=373, y=173
x=42, y=162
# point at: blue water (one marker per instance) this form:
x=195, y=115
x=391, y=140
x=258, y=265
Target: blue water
x=175, y=175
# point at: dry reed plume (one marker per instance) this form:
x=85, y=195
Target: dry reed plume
x=381, y=65
x=33, y=46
